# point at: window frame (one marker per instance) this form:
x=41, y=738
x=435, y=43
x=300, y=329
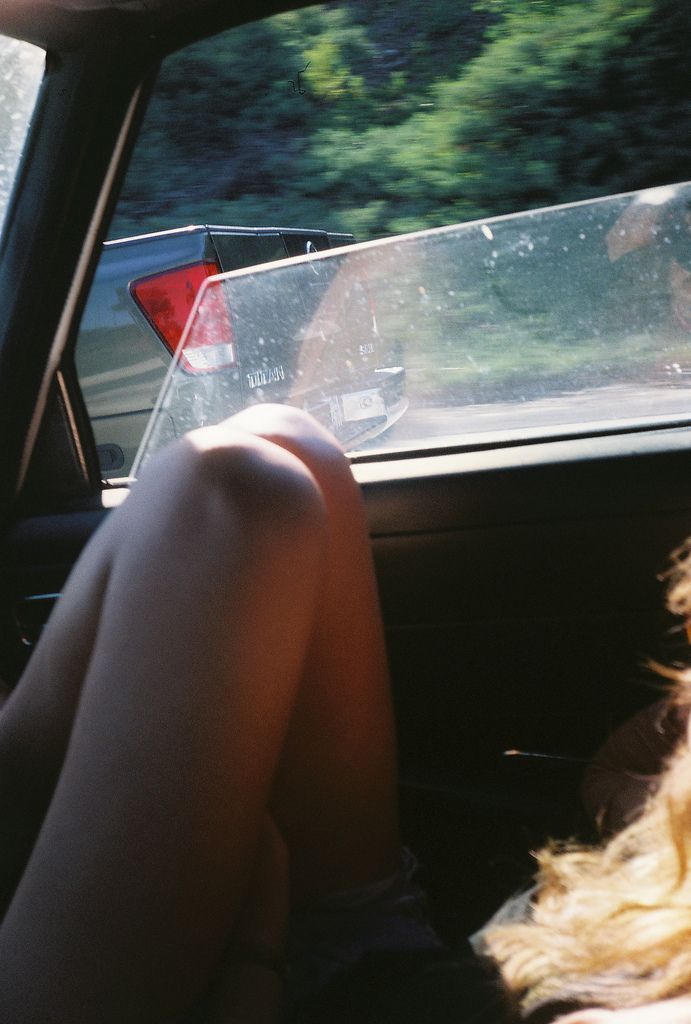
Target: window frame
x=102, y=58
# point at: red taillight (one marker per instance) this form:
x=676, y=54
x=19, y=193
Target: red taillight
x=166, y=300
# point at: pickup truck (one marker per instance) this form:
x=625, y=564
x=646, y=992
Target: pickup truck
x=143, y=291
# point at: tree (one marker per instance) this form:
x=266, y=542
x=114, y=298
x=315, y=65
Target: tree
x=568, y=100
x=400, y=122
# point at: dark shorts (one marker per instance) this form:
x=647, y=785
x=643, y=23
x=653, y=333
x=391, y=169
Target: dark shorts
x=330, y=937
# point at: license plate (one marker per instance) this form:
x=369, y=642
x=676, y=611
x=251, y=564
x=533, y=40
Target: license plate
x=363, y=405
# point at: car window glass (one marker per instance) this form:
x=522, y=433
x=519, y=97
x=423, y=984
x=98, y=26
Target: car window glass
x=366, y=122
x=21, y=70
x=504, y=327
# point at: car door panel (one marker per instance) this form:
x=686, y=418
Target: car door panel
x=521, y=605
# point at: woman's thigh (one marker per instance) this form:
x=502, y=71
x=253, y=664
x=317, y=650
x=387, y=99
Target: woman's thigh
x=139, y=748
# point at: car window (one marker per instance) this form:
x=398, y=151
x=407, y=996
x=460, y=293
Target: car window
x=508, y=180
x=506, y=327
x=21, y=70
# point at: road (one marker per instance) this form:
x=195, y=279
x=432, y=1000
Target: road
x=605, y=407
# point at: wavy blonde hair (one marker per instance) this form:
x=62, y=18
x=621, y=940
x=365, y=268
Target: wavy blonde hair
x=611, y=924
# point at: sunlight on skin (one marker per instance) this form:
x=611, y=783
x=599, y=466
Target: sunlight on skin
x=669, y=1011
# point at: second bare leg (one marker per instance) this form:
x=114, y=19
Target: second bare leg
x=335, y=793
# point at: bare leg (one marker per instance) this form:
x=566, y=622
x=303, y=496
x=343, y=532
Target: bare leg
x=175, y=688
x=335, y=792
x=141, y=861
x=244, y=989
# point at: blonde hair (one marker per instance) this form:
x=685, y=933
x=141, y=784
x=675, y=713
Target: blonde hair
x=611, y=924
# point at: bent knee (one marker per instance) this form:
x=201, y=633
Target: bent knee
x=297, y=432
x=216, y=506
x=250, y=480
x=223, y=479
x=291, y=428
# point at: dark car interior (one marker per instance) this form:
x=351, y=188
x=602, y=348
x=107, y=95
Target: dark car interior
x=521, y=585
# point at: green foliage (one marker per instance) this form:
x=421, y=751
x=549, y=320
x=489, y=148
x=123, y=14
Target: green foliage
x=567, y=101
x=411, y=113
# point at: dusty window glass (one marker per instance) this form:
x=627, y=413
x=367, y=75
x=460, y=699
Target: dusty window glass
x=365, y=122
x=21, y=70
x=529, y=325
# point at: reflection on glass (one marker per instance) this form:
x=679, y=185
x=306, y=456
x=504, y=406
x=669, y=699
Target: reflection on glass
x=531, y=324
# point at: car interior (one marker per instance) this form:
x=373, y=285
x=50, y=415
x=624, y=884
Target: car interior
x=521, y=579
